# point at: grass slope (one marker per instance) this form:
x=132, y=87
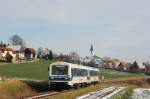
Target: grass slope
x=35, y=70
x=39, y=70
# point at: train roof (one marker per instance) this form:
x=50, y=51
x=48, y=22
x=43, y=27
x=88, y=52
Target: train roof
x=75, y=65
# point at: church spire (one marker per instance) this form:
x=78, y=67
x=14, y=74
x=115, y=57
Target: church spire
x=91, y=49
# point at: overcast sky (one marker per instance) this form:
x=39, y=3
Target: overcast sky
x=116, y=28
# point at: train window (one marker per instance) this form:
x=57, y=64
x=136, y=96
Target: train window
x=78, y=72
x=93, y=73
x=59, y=70
x=74, y=72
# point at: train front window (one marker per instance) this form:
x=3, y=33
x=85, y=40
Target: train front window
x=59, y=70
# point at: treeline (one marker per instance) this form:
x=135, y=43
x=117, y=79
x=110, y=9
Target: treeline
x=128, y=67
x=3, y=45
x=47, y=54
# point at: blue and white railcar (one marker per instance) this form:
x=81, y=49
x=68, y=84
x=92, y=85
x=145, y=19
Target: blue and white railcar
x=63, y=73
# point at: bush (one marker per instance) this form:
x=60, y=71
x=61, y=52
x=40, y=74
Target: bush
x=8, y=58
x=148, y=80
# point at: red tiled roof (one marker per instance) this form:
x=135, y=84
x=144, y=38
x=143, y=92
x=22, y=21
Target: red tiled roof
x=114, y=62
x=6, y=49
x=31, y=50
x=124, y=64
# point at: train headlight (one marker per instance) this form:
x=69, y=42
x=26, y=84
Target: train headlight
x=66, y=78
x=52, y=78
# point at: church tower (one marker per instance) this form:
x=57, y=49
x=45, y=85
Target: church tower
x=92, y=50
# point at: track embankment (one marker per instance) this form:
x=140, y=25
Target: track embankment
x=135, y=81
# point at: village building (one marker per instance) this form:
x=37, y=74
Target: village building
x=21, y=55
x=5, y=51
x=142, y=67
x=112, y=63
x=147, y=67
x=122, y=66
x=93, y=60
x=30, y=53
x=25, y=53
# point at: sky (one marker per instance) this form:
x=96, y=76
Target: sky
x=115, y=28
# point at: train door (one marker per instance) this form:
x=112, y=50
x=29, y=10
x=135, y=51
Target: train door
x=88, y=75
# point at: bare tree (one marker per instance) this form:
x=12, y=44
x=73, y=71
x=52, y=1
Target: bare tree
x=64, y=58
x=40, y=52
x=23, y=48
x=3, y=45
x=75, y=57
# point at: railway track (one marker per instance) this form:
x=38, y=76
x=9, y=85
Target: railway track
x=106, y=93
x=43, y=95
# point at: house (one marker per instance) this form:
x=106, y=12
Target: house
x=122, y=66
x=98, y=61
x=93, y=61
x=147, y=67
x=20, y=55
x=112, y=63
x=147, y=70
x=5, y=51
x=30, y=53
x=87, y=60
x=142, y=67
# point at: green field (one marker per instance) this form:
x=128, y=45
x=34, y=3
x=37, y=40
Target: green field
x=36, y=70
x=113, y=74
x=39, y=70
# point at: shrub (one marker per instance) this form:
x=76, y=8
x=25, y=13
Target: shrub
x=9, y=57
x=148, y=80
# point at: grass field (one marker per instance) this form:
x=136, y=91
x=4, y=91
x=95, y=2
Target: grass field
x=39, y=70
x=113, y=74
x=36, y=70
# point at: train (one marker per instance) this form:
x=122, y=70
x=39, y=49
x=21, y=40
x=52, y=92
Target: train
x=73, y=75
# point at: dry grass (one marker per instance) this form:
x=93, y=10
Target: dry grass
x=74, y=93
x=14, y=90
